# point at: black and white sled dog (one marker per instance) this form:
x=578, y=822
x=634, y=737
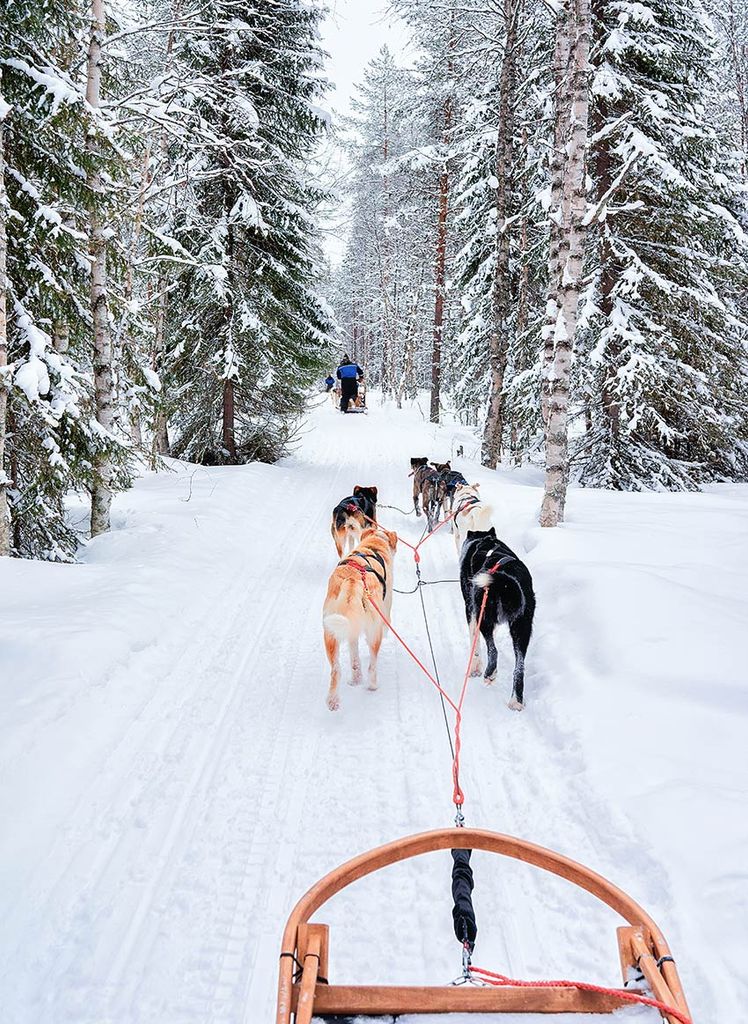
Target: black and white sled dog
x=486, y=563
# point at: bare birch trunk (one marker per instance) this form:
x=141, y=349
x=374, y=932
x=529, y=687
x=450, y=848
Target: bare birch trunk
x=499, y=338
x=572, y=109
x=101, y=493
x=4, y=511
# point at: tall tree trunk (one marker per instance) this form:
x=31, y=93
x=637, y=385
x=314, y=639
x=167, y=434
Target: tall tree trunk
x=499, y=337
x=440, y=276
x=572, y=107
x=229, y=438
x=4, y=512
x=103, y=471
x=561, y=94
x=160, y=428
x=611, y=406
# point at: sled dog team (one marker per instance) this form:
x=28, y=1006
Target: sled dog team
x=363, y=576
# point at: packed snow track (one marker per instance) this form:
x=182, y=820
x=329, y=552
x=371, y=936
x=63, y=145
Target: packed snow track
x=172, y=780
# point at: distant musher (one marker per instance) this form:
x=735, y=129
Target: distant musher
x=349, y=374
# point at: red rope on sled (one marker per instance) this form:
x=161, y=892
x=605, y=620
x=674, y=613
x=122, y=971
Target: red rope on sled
x=493, y=978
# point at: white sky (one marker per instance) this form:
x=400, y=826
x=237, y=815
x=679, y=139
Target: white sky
x=352, y=33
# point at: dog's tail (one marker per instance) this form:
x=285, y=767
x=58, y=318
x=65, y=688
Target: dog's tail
x=485, y=579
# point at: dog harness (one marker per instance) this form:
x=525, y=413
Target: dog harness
x=504, y=560
x=466, y=503
x=365, y=556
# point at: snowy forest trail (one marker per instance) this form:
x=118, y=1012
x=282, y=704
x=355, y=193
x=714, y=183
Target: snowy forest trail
x=177, y=788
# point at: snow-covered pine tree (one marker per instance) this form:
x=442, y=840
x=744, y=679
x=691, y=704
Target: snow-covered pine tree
x=665, y=341
x=245, y=326
x=52, y=437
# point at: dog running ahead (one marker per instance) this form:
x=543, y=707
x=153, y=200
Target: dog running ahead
x=445, y=489
x=347, y=612
x=472, y=513
x=425, y=482
x=351, y=517
x=486, y=563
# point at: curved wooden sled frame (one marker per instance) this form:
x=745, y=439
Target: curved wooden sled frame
x=640, y=943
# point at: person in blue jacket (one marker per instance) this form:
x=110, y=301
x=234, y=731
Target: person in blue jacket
x=349, y=374
x=329, y=382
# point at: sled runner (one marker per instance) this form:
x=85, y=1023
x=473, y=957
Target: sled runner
x=304, y=989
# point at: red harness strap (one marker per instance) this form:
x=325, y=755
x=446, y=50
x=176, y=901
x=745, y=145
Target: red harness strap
x=493, y=978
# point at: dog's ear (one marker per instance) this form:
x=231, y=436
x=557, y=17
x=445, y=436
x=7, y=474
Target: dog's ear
x=492, y=530
x=392, y=538
x=374, y=491
x=476, y=486
x=458, y=487
x=369, y=531
x=448, y=465
x=356, y=489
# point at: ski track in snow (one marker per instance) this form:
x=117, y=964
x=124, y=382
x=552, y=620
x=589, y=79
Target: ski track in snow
x=220, y=787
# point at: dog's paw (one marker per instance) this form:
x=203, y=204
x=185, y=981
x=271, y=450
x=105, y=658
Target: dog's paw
x=372, y=686
x=489, y=680
x=515, y=705
x=333, y=703
x=355, y=680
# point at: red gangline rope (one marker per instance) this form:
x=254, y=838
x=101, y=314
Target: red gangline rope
x=458, y=796
x=493, y=978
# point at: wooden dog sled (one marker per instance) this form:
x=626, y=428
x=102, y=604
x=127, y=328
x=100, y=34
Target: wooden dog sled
x=304, y=990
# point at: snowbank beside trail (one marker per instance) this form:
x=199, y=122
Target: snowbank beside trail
x=171, y=780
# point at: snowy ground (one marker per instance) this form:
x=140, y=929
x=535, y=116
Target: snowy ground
x=172, y=781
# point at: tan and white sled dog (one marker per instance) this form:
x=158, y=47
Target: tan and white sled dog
x=473, y=513
x=347, y=612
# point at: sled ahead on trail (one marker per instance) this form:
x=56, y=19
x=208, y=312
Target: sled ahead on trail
x=358, y=404
x=305, y=990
